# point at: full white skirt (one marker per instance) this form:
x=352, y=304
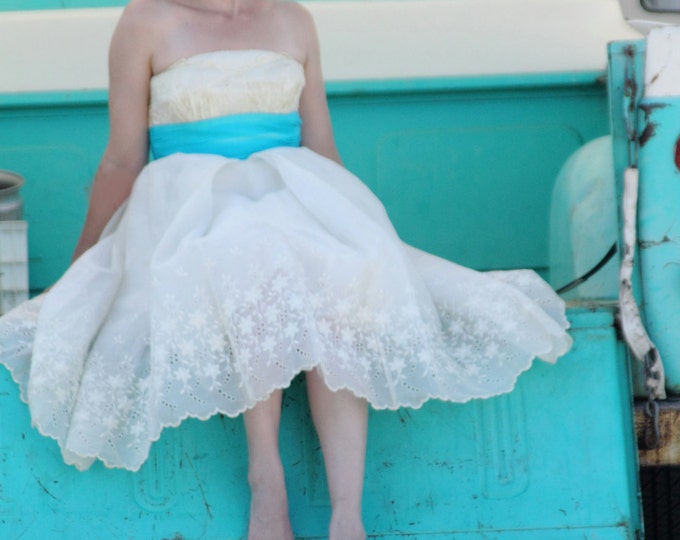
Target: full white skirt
x=220, y=280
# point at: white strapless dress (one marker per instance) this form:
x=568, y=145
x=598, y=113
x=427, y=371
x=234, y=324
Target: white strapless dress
x=221, y=279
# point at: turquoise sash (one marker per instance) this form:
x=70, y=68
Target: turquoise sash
x=234, y=136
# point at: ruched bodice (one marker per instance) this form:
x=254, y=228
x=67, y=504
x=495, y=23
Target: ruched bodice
x=223, y=83
x=228, y=103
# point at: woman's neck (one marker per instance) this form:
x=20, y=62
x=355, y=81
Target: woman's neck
x=228, y=8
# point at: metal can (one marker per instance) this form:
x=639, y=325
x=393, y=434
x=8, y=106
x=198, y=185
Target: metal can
x=11, y=203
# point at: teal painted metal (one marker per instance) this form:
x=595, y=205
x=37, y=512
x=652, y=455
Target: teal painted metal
x=555, y=460
x=549, y=81
x=468, y=174
x=72, y=98
x=584, y=206
x=626, y=73
x=57, y=149
x=626, y=81
x=659, y=230
x=552, y=81
x=465, y=172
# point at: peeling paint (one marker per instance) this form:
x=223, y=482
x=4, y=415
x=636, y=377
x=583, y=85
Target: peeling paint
x=650, y=128
x=630, y=84
x=648, y=108
x=647, y=133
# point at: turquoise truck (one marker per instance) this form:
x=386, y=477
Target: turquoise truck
x=498, y=134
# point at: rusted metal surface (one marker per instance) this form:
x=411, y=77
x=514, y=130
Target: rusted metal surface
x=668, y=451
x=649, y=129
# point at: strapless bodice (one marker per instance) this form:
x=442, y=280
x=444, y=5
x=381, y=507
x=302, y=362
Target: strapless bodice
x=231, y=103
x=223, y=83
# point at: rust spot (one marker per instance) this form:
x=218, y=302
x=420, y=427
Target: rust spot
x=668, y=452
x=647, y=133
x=648, y=108
x=650, y=127
x=630, y=89
x=677, y=154
x=630, y=85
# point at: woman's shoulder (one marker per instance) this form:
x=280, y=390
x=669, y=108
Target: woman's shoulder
x=145, y=15
x=138, y=13
x=300, y=27
x=295, y=14
x=142, y=20
x=140, y=8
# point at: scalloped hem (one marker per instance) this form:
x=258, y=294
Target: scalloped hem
x=510, y=385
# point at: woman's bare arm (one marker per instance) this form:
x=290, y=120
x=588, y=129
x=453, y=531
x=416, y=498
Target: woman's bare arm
x=317, y=131
x=127, y=149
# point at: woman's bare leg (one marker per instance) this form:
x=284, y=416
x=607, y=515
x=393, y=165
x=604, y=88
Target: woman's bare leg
x=341, y=421
x=269, y=502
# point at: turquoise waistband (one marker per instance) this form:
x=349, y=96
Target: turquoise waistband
x=235, y=136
